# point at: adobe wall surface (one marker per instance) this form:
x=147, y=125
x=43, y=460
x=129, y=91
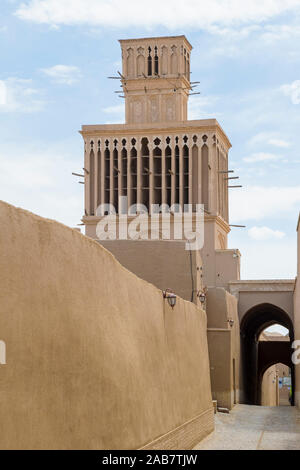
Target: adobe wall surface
x=297, y=319
x=96, y=359
x=297, y=337
x=164, y=263
x=224, y=347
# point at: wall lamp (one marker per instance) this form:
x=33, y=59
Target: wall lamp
x=231, y=322
x=170, y=296
x=202, y=295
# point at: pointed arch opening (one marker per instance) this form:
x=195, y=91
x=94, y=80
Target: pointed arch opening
x=174, y=61
x=140, y=63
x=204, y=177
x=164, y=60
x=186, y=173
x=107, y=175
x=149, y=62
x=99, y=172
x=92, y=183
x=195, y=171
x=157, y=188
x=145, y=169
x=276, y=385
x=124, y=171
x=155, y=61
x=177, y=177
x=130, y=63
x=115, y=200
x=133, y=175
x=168, y=174
x=257, y=355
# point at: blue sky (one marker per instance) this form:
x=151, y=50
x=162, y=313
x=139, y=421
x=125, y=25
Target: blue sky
x=55, y=56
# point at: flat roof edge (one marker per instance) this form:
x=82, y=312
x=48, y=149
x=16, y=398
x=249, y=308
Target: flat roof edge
x=152, y=38
x=161, y=127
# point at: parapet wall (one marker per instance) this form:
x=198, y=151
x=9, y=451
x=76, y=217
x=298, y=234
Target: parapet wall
x=96, y=358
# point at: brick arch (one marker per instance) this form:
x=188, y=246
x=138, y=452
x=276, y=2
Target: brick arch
x=257, y=357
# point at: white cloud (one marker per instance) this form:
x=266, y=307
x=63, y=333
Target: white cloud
x=271, y=259
x=293, y=91
x=117, y=109
x=252, y=40
x=264, y=233
x=278, y=32
x=270, y=138
x=169, y=13
x=268, y=33
x=260, y=137
x=65, y=74
x=261, y=157
x=18, y=95
x=3, y=93
x=198, y=106
x=38, y=178
x=279, y=143
x=259, y=202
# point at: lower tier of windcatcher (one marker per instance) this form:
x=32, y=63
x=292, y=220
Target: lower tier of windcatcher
x=156, y=169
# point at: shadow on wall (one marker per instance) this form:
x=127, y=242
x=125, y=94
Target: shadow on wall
x=96, y=358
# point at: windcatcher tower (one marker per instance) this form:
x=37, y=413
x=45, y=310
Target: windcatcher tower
x=157, y=79
x=160, y=157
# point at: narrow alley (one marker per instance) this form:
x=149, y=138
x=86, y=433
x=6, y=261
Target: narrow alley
x=249, y=427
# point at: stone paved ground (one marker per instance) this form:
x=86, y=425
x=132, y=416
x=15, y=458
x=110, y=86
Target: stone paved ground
x=255, y=428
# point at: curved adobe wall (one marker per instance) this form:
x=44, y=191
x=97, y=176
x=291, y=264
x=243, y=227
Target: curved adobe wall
x=95, y=358
x=297, y=319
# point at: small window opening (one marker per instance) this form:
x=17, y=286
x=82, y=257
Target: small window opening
x=149, y=62
x=155, y=61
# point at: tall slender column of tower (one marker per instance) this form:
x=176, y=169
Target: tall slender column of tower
x=163, y=170
x=151, y=175
x=91, y=178
x=139, y=170
x=191, y=169
x=111, y=171
x=120, y=172
x=181, y=171
x=173, y=170
x=128, y=172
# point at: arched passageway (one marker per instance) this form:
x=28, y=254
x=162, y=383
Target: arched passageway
x=258, y=356
x=275, y=386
